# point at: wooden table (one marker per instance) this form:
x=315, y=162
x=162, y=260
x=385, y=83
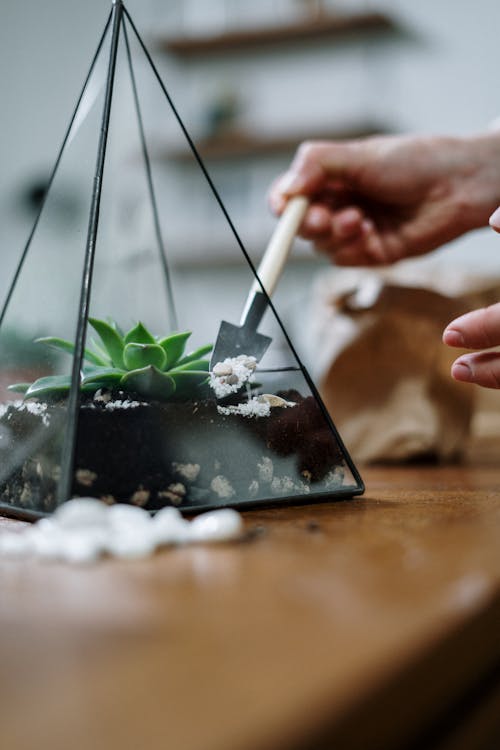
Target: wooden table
x=370, y=623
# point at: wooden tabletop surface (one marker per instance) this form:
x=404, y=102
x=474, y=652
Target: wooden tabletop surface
x=368, y=623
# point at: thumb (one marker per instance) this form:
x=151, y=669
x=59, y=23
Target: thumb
x=318, y=162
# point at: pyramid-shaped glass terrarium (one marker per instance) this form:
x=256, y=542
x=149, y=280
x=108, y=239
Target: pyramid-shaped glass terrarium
x=130, y=378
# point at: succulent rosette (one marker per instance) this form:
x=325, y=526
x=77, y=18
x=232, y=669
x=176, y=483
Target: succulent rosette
x=135, y=362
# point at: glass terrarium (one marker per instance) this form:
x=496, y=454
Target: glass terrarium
x=126, y=374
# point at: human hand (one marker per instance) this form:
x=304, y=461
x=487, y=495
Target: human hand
x=377, y=200
x=479, y=329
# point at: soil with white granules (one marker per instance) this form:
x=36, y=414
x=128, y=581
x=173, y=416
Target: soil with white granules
x=185, y=454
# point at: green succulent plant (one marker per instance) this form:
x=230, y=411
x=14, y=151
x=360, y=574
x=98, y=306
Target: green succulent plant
x=135, y=361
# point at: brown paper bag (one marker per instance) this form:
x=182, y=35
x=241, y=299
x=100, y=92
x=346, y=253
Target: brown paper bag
x=383, y=370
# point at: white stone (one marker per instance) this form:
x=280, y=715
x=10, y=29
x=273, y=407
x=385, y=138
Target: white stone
x=334, y=478
x=79, y=534
x=222, y=369
x=81, y=511
x=121, y=515
x=131, y=543
x=283, y=485
x=84, y=546
x=169, y=527
x=48, y=541
x=222, y=487
x=242, y=369
x=265, y=470
x=15, y=544
x=189, y=472
x=275, y=401
x=253, y=488
x=254, y=407
x=140, y=498
x=216, y=526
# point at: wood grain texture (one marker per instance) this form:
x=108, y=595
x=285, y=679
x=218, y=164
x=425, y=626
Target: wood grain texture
x=355, y=624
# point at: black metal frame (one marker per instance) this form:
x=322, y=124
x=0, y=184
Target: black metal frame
x=117, y=22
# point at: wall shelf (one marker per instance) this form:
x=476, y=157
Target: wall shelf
x=240, y=144
x=327, y=26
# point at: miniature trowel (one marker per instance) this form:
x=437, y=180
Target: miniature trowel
x=233, y=340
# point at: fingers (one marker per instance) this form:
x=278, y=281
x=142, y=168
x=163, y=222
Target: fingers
x=321, y=222
x=346, y=235
x=481, y=368
x=495, y=220
x=355, y=244
x=479, y=329
x=317, y=222
x=315, y=165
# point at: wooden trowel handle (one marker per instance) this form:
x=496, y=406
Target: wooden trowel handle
x=278, y=249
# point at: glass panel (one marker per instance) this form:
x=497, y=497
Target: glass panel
x=158, y=422
x=44, y=302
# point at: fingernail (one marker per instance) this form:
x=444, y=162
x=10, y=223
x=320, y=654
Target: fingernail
x=453, y=337
x=461, y=371
x=495, y=219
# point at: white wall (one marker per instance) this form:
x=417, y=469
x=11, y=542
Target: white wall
x=441, y=77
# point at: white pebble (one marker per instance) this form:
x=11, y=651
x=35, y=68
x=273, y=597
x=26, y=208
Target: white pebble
x=131, y=543
x=48, y=540
x=169, y=527
x=221, y=369
x=222, y=487
x=84, y=546
x=265, y=470
x=189, y=472
x=216, y=526
x=273, y=400
x=242, y=369
x=254, y=407
x=81, y=511
x=80, y=532
x=121, y=515
x=15, y=544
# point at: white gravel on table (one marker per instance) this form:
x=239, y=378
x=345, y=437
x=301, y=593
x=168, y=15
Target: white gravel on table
x=85, y=529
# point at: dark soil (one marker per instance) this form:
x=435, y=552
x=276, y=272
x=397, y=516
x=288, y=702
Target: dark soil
x=183, y=454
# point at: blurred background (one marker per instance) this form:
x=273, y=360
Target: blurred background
x=251, y=80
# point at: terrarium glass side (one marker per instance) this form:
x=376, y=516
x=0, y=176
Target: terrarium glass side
x=43, y=304
x=270, y=444
x=158, y=423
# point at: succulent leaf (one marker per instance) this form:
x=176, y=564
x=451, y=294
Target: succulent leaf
x=139, y=334
x=111, y=339
x=136, y=361
x=19, y=387
x=174, y=346
x=93, y=387
x=137, y=356
x=197, y=354
x=112, y=322
x=149, y=382
x=50, y=384
x=196, y=364
x=105, y=375
x=101, y=353
x=66, y=346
